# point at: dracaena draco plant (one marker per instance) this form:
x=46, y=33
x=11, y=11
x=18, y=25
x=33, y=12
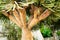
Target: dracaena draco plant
x=17, y=14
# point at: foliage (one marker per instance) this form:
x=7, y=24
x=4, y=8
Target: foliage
x=53, y=5
x=13, y=32
x=58, y=33
x=46, y=31
x=3, y=3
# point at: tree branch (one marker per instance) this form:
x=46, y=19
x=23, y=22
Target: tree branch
x=44, y=15
x=15, y=21
x=22, y=14
x=16, y=15
x=11, y=18
x=33, y=22
x=30, y=19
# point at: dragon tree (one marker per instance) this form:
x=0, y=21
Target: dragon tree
x=17, y=13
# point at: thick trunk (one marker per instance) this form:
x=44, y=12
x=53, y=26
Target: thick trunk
x=26, y=34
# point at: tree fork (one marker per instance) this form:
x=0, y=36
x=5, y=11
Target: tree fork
x=44, y=15
x=20, y=20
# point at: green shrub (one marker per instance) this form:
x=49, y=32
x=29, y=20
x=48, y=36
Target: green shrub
x=58, y=33
x=46, y=31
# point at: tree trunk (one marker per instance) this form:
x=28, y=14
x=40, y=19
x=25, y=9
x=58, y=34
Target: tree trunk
x=26, y=34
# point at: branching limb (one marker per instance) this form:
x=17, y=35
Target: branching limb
x=35, y=19
x=5, y=13
x=16, y=15
x=32, y=13
x=44, y=15
x=22, y=13
x=30, y=19
x=36, y=12
x=11, y=18
x=33, y=22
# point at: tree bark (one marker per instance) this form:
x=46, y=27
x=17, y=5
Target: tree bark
x=26, y=34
